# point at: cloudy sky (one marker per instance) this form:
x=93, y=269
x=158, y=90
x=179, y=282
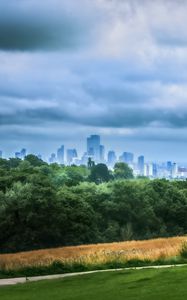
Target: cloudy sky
x=117, y=68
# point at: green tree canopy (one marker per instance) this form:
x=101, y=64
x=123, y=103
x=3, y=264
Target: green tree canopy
x=122, y=171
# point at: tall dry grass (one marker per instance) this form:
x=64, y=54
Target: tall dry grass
x=96, y=254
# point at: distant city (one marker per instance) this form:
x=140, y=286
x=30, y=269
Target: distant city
x=96, y=151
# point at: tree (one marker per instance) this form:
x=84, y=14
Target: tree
x=34, y=160
x=99, y=174
x=91, y=163
x=122, y=171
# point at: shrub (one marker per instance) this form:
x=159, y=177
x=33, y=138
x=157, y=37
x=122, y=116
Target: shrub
x=183, y=250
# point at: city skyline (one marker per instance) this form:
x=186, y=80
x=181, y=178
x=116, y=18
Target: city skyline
x=63, y=153
x=96, y=152
x=115, y=68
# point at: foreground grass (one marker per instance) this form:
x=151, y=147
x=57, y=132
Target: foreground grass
x=146, y=284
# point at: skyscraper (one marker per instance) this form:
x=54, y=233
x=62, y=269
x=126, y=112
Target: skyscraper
x=102, y=153
x=112, y=158
x=52, y=158
x=23, y=153
x=169, y=168
x=71, y=155
x=93, y=147
x=1, y=154
x=141, y=162
x=127, y=157
x=60, y=155
x=174, y=170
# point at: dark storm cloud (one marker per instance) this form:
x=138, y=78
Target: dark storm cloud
x=112, y=117
x=28, y=25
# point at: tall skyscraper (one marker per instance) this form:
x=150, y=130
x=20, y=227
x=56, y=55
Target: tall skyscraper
x=174, y=170
x=102, y=153
x=111, y=158
x=23, y=153
x=150, y=167
x=169, y=168
x=155, y=170
x=141, y=162
x=127, y=157
x=52, y=158
x=93, y=147
x=71, y=155
x=60, y=155
x=1, y=154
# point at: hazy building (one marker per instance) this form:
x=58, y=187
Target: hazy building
x=102, y=153
x=84, y=159
x=1, y=154
x=127, y=157
x=71, y=156
x=155, y=170
x=60, y=155
x=169, y=168
x=93, y=147
x=150, y=170
x=141, y=162
x=23, y=153
x=174, y=170
x=111, y=158
x=52, y=158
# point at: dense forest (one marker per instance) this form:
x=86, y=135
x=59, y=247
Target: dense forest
x=45, y=205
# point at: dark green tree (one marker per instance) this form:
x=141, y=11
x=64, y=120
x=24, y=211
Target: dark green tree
x=122, y=171
x=99, y=174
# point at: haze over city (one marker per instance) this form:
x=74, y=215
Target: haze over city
x=114, y=68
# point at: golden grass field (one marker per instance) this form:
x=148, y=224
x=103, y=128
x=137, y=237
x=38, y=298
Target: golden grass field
x=99, y=253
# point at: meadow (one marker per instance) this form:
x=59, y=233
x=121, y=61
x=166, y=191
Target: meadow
x=132, y=284
x=162, y=249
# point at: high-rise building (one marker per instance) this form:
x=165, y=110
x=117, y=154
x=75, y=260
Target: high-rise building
x=174, y=170
x=150, y=167
x=127, y=157
x=60, y=155
x=111, y=158
x=1, y=154
x=155, y=170
x=102, y=153
x=71, y=156
x=23, y=153
x=141, y=162
x=52, y=158
x=169, y=168
x=93, y=147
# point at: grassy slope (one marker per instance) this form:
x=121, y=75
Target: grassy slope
x=96, y=254
x=151, y=284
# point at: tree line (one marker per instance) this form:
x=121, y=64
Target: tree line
x=45, y=205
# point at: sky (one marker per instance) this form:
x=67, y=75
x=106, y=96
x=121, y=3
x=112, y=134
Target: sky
x=117, y=68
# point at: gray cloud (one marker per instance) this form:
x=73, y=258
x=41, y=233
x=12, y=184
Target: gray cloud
x=29, y=25
x=127, y=81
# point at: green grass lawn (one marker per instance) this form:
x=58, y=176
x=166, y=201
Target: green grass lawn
x=163, y=284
